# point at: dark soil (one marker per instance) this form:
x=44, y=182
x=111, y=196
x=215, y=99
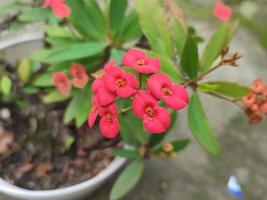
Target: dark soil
x=35, y=152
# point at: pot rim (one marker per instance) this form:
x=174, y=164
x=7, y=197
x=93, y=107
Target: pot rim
x=15, y=191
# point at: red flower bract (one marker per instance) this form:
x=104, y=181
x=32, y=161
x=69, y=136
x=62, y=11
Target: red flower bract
x=109, y=123
x=140, y=62
x=62, y=83
x=221, y=11
x=79, y=75
x=59, y=7
x=156, y=119
x=118, y=81
x=103, y=95
x=258, y=86
x=175, y=96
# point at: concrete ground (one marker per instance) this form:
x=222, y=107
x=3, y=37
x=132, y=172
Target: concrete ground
x=195, y=175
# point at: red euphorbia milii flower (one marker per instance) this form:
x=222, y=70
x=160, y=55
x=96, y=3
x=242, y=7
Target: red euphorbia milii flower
x=109, y=123
x=258, y=86
x=103, y=95
x=221, y=11
x=140, y=62
x=79, y=75
x=249, y=99
x=118, y=81
x=156, y=119
x=62, y=83
x=175, y=96
x=59, y=7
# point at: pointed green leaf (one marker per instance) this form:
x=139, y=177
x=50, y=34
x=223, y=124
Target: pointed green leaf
x=127, y=179
x=155, y=26
x=35, y=14
x=214, y=47
x=24, y=70
x=226, y=89
x=189, y=59
x=117, y=10
x=53, y=97
x=179, y=34
x=126, y=153
x=74, y=52
x=200, y=127
x=44, y=80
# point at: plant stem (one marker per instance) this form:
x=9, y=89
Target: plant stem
x=125, y=110
x=209, y=71
x=227, y=99
x=140, y=80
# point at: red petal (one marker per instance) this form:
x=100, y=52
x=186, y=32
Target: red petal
x=112, y=108
x=92, y=116
x=104, y=97
x=160, y=123
x=131, y=80
x=98, y=83
x=110, y=82
x=125, y=92
x=109, y=129
x=130, y=57
x=140, y=101
x=156, y=82
x=61, y=10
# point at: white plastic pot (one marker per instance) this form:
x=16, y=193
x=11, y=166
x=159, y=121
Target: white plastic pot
x=75, y=192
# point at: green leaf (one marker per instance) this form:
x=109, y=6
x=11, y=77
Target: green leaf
x=189, y=59
x=30, y=90
x=74, y=52
x=225, y=89
x=127, y=179
x=232, y=28
x=35, y=14
x=126, y=153
x=41, y=54
x=45, y=80
x=24, y=70
x=155, y=26
x=168, y=67
x=214, y=47
x=117, y=10
x=53, y=97
x=78, y=107
x=6, y=85
x=58, y=31
x=88, y=19
x=178, y=145
x=200, y=127
x=131, y=28
x=132, y=131
x=179, y=34
x=63, y=41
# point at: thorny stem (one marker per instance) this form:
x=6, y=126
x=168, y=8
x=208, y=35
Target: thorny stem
x=220, y=64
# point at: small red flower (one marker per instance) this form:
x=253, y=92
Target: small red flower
x=156, y=119
x=103, y=95
x=249, y=99
x=109, y=123
x=62, y=83
x=59, y=7
x=140, y=62
x=175, y=96
x=118, y=81
x=221, y=11
x=258, y=86
x=80, y=77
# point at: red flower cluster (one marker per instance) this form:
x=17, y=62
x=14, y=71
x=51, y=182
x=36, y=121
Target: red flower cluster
x=59, y=7
x=115, y=82
x=64, y=84
x=255, y=101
